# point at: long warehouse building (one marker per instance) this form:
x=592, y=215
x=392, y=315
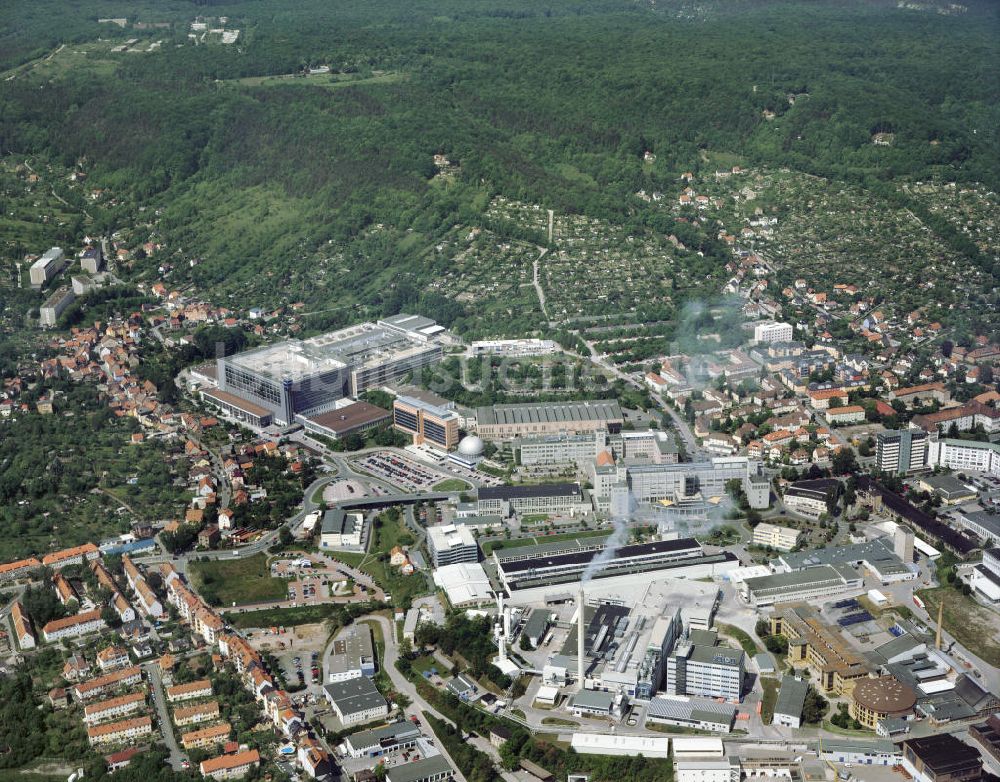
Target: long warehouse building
x=505, y=422
x=664, y=558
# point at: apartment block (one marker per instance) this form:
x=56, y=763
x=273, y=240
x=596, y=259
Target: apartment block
x=901, y=451
x=199, y=712
x=114, y=708
x=190, y=690
x=206, y=737
x=120, y=732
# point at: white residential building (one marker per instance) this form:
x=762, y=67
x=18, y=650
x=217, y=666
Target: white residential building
x=772, y=331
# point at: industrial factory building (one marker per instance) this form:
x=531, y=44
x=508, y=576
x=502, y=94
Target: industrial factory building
x=681, y=558
x=700, y=485
x=306, y=377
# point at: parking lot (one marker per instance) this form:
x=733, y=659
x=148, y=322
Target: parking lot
x=342, y=489
x=399, y=471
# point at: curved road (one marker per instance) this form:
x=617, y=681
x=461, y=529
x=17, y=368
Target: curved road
x=402, y=684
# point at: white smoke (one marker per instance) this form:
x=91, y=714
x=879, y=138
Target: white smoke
x=617, y=539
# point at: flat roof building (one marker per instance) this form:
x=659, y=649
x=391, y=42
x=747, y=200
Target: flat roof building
x=310, y=376
x=776, y=536
x=429, y=769
x=54, y=306
x=449, y=544
x=707, y=671
x=537, y=498
x=380, y=741
x=352, y=655
x=812, y=583
x=355, y=418
x=617, y=744
x=901, y=451
x=426, y=423
x=356, y=701
x=941, y=758
x=697, y=713
x=47, y=267
x=465, y=583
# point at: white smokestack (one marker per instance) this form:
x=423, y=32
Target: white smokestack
x=579, y=638
x=506, y=622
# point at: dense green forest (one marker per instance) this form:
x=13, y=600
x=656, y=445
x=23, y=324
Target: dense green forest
x=282, y=181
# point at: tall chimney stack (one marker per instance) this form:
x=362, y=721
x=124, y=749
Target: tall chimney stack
x=937, y=640
x=580, y=652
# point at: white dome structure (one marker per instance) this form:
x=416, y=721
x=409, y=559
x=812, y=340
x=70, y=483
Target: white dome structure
x=471, y=446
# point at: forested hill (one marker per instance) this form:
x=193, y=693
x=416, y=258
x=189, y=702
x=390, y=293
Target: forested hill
x=551, y=102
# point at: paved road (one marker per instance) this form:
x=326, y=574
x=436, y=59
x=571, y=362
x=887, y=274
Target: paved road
x=264, y=542
x=418, y=705
x=177, y=757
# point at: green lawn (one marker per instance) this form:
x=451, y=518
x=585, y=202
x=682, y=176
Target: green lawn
x=452, y=484
x=771, y=687
x=532, y=541
x=744, y=639
x=351, y=558
x=967, y=621
x=240, y=581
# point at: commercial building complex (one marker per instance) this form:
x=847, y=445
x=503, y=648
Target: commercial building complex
x=901, y=451
x=966, y=455
x=308, y=377
x=985, y=578
x=425, y=422
x=429, y=769
x=505, y=422
x=340, y=528
x=674, y=486
x=380, y=741
x=696, y=713
x=682, y=557
x=352, y=418
x=812, y=498
x=811, y=642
